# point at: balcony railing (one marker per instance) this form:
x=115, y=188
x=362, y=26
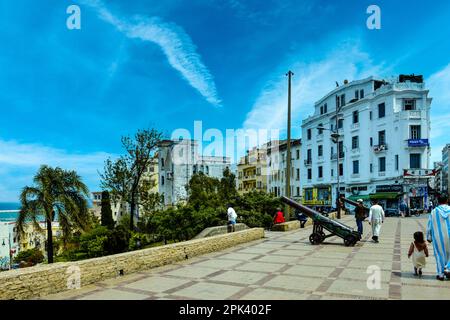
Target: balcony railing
x=380, y=148
x=308, y=162
x=335, y=155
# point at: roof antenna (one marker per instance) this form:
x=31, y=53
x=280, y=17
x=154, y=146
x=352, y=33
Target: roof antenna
x=337, y=84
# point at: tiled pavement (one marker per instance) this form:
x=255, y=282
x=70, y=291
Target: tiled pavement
x=285, y=266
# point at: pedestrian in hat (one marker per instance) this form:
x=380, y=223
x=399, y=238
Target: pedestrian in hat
x=360, y=215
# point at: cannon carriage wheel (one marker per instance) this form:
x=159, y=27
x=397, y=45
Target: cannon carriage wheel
x=350, y=240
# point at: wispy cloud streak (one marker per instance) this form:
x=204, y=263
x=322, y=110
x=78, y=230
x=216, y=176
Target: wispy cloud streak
x=176, y=44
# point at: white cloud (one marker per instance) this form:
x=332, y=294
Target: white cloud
x=174, y=42
x=19, y=162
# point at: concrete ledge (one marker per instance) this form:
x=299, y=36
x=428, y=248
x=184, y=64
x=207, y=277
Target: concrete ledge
x=43, y=280
x=286, y=226
x=214, y=231
x=293, y=225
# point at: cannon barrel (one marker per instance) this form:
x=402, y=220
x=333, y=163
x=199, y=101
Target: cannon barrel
x=314, y=215
x=353, y=203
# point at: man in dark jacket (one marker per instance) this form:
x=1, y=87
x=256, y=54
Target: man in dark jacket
x=360, y=215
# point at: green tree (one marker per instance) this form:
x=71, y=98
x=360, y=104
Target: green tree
x=106, y=212
x=227, y=187
x=31, y=256
x=56, y=194
x=122, y=177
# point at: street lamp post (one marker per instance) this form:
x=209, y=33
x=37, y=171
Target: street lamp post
x=288, y=151
x=335, y=138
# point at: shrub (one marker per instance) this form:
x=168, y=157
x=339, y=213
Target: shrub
x=31, y=256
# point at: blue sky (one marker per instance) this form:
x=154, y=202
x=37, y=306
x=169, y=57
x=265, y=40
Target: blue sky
x=67, y=96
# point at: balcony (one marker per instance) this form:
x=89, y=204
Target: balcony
x=380, y=148
x=308, y=162
x=335, y=155
x=354, y=126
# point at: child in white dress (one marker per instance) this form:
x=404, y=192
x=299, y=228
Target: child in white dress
x=419, y=252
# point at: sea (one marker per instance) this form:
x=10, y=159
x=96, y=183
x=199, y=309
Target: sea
x=8, y=207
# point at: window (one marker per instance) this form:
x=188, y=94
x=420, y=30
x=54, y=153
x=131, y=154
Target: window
x=371, y=142
x=309, y=174
x=320, y=128
x=332, y=172
x=338, y=102
x=308, y=194
x=320, y=172
x=356, y=167
x=370, y=115
x=297, y=154
x=332, y=151
x=309, y=156
x=414, y=161
x=355, y=142
x=357, y=94
x=382, y=137
x=162, y=162
x=298, y=192
x=321, y=109
x=381, y=110
x=355, y=116
x=340, y=123
x=382, y=164
x=320, y=151
x=409, y=104
x=396, y=162
x=371, y=168
x=325, y=108
x=361, y=94
x=415, y=132
x=342, y=100
x=298, y=174
x=162, y=180
x=309, y=134
x=341, y=149
x=341, y=169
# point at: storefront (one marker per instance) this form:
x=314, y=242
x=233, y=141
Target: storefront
x=388, y=196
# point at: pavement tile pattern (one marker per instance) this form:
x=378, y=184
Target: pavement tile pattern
x=285, y=266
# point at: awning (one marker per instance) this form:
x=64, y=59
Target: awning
x=356, y=198
x=385, y=195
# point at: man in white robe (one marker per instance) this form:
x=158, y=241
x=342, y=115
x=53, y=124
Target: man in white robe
x=438, y=233
x=376, y=218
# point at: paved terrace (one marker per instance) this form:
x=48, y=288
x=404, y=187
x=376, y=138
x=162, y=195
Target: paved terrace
x=285, y=266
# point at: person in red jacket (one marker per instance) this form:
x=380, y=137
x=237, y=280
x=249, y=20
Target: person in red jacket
x=278, y=218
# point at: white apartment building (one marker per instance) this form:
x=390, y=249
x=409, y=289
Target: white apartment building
x=9, y=243
x=277, y=164
x=383, y=147
x=178, y=161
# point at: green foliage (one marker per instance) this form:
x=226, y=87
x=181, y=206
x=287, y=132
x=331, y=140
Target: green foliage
x=55, y=193
x=31, y=256
x=106, y=212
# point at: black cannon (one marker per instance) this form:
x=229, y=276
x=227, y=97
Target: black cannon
x=321, y=222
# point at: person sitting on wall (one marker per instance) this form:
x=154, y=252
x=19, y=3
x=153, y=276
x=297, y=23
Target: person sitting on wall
x=278, y=217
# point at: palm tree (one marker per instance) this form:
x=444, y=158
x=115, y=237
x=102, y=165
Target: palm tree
x=56, y=192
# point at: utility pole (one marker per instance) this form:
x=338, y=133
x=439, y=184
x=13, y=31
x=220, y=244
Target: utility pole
x=338, y=151
x=288, y=155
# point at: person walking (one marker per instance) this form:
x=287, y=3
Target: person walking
x=376, y=218
x=360, y=215
x=402, y=208
x=232, y=216
x=418, y=250
x=438, y=233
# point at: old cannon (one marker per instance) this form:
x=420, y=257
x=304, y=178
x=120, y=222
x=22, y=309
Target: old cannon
x=322, y=223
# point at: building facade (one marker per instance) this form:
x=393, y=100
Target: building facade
x=371, y=138
x=445, y=177
x=277, y=164
x=9, y=243
x=178, y=161
x=252, y=171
